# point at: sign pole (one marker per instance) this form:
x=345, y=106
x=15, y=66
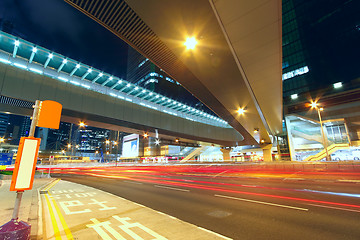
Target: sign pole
x=19, y=194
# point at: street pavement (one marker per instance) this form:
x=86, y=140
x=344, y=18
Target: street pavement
x=74, y=211
x=29, y=209
x=240, y=207
x=196, y=203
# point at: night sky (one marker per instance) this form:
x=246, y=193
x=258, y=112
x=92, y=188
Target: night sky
x=55, y=25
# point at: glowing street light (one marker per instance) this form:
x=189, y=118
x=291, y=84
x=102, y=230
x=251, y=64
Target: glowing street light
x=2, y=139
x=145, y=135
x=107, y=142
x=319, y=109
x=241, y=111
x=157, y=141
x=190, y=43
x=77, y=146
x=313, y=105
x=82, y=124
x=115, y=143
x=69, y=145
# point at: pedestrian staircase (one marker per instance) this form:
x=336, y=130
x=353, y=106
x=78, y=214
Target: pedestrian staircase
x=330, y=149
x=307, y=136
x=192, y=154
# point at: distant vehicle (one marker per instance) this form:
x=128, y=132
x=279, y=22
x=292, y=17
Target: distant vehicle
x=356, y=154
x=346, y=155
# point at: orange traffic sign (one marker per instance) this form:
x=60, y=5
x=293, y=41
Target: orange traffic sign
x=50, y=113
x=25, y=164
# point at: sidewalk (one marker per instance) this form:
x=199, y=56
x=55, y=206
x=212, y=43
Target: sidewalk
x=74, y=211
x=29, y=209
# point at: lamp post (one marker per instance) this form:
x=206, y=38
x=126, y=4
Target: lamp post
x=315, y=105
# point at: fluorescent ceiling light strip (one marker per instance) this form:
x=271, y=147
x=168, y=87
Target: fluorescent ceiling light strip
x=20, y=65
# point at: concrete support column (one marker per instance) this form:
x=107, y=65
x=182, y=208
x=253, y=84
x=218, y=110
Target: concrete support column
x=290, y=140
x=267, y=152
x=226, y=154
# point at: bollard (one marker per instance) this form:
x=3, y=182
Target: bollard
x=15, y=230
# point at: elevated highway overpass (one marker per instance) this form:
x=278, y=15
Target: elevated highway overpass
x=29, y=72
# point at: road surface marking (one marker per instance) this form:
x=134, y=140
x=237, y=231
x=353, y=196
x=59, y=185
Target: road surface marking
x=51, y=185
x=217, y=234
x=265, y=203
x=220, y=173
x=97, y=227
x=294, y=179
x=53, y=220
x=58, y=212
x=348, y=180
x=75, y=203
x=101, y=204
x=344, y=209
x=133, y=182
x=177, y=189
x=62, y=220
x=126, y=227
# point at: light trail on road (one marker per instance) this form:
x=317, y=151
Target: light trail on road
x=171, y=178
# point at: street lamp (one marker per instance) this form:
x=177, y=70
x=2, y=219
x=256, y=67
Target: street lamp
x=190, y=43
x=2, y=139
x=241, y=111
x=319, y=109
x=82, y=124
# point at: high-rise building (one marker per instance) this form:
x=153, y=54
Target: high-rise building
x=142, y=72
x=320, y=64
x=320, y=45
x=4, y=120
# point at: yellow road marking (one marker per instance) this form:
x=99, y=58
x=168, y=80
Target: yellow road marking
x=53, y=220
x=52, y=215
x=51, y=185
x=62, y=220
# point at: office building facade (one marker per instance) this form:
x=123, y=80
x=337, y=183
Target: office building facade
x=320, y=64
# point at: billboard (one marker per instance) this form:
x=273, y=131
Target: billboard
x=131, y=146
x=6, y=158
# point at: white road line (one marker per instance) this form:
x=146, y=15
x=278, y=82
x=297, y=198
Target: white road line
x=220, y=173
x=133, y=182
x=167, y=215
x=177, y=189
x=219, y=235
x=344, y=209
x=348, y=180
x=265, y=203
x=294, y=179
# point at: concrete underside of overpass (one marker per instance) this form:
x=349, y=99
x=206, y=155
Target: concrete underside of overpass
x=104, y=111
x=237, y=63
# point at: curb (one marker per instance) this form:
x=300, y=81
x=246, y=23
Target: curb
x=37, y=224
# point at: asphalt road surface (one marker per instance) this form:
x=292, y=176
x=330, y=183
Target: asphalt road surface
x=249, y=207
